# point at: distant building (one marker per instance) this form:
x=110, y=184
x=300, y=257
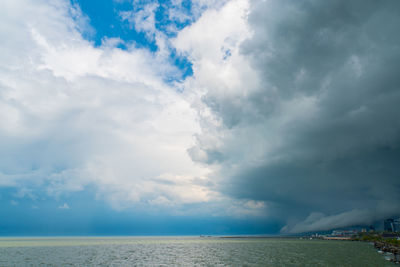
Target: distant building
x=389, y=235
x=389, y=225
x=396, y=225
x=343, y=233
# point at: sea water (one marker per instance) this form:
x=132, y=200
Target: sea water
x=185, y=251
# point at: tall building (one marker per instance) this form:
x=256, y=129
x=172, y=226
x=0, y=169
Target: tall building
x=388, y=225
x=396, y=225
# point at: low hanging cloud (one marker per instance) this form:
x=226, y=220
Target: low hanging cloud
x=299, y=108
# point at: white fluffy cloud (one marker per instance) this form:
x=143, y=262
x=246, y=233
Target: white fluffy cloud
x=73, y=115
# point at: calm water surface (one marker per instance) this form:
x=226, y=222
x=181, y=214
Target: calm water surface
x=185, y=251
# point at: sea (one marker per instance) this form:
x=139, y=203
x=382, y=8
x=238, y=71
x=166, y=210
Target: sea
x=186, y=251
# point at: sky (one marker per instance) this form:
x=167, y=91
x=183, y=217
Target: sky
x=174, y=117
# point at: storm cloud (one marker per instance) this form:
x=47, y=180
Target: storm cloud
x=315, y=130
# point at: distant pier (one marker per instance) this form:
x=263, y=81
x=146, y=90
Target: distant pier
x=336, y=238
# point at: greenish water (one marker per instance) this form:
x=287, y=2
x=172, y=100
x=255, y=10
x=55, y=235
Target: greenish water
x=185, y=251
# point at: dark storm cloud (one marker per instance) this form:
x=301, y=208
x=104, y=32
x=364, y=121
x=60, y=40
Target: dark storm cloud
x=326, y=116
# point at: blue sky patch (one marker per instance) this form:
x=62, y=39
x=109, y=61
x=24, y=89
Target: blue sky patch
x=105, y=17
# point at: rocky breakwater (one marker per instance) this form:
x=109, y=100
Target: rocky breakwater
x=389, y=248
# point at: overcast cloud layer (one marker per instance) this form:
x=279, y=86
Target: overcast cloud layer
x=292, y=111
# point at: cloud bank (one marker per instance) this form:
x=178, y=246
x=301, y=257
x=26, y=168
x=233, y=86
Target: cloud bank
x=303, y=115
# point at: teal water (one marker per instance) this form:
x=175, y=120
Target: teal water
x=185, y=251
